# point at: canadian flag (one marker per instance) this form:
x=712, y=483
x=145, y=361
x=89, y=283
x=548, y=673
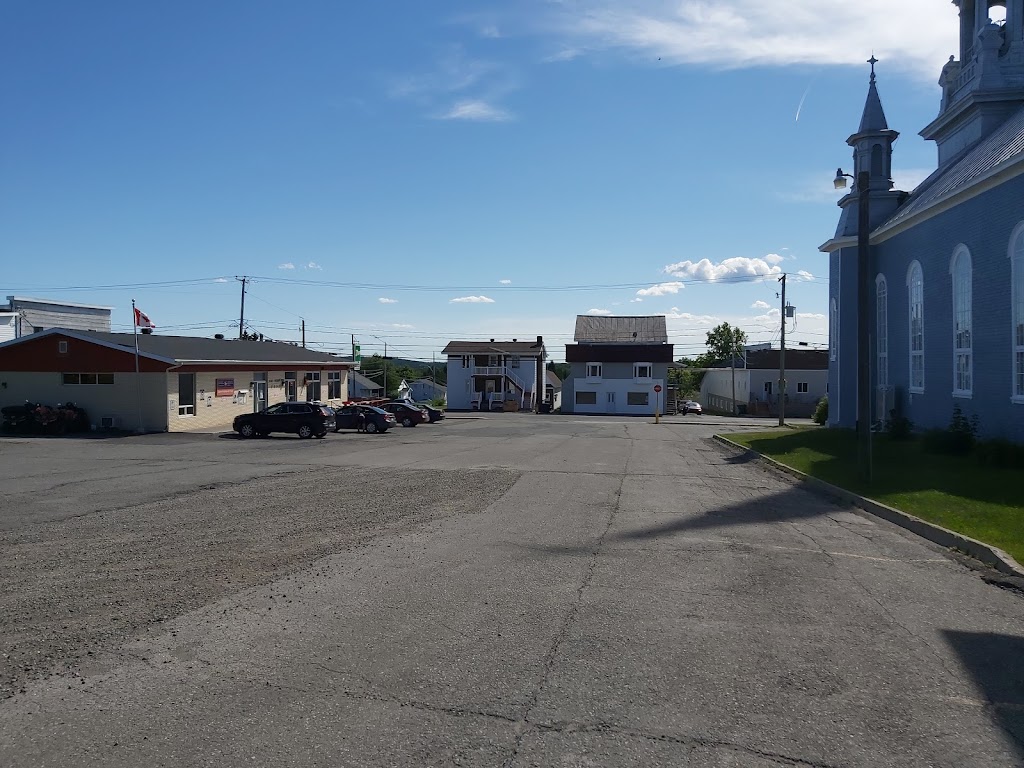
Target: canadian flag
x=142, y=319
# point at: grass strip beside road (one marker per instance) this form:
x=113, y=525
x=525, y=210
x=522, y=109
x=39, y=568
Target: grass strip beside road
x=957, y=493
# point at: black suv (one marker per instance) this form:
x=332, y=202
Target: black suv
x=304, y=419
x=377, y=420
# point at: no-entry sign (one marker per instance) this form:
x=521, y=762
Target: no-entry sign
x=657, y=387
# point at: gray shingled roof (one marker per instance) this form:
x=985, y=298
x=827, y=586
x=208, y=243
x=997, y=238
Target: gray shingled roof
x=1001, y=149
x=199, y=349
x=497, y=347
x=611, y=329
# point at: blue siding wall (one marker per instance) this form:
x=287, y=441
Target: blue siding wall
x=842, y=384
x=984, y=225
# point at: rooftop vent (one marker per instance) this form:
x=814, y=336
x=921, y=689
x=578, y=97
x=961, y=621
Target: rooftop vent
x=218, y=335
x=146, y=331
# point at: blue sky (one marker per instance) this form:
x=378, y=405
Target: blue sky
x=413, y=172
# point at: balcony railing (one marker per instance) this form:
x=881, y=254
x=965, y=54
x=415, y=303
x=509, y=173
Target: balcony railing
x=501, y=370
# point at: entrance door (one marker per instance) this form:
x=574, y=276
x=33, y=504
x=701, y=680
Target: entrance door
x=259, y=391
x=290, y=393
x=611, y=402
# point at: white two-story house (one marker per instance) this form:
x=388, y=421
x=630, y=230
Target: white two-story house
x=485, y=374
x=619, y=366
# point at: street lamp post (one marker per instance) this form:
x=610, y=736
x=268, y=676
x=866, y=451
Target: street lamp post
x=863, y=318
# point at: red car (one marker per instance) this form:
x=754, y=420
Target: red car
x=406, y=414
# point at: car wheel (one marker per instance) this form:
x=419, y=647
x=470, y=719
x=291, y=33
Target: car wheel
x=305, y=431
x=407, y=422
x=246, y=430
x=371, y=427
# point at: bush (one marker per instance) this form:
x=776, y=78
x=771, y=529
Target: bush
x=1000, y=453
x=821, y=411
x=957, y=439
x=898, y=426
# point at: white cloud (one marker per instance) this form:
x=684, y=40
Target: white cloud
x=661, y=289
x=476, y=110
x=490, y=31
x=805, y=275
x=286, y=265
x=736, y=267
x=736, y=34
x=774, y=258
x=635, y=301
x=505, y=282
x=907, y=179
x=385, y=300
x=760, y=305
x=471, y=300
x=313, y=265
x=221, y=280
x=402, y=325
x=690, y=318
x=599, y=312
x=565, y=54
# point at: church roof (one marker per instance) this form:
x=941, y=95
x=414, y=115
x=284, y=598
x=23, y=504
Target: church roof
x=619, y=329
x=873, y=118
x=1000, y=150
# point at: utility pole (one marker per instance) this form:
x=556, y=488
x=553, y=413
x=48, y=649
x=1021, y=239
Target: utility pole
x=782, y=358
x=732, y=344
x=303, y=333
x=241, y=314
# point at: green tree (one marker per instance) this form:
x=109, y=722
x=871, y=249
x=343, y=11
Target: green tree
x=724, y=341
x=688, y=381
x=561, y=370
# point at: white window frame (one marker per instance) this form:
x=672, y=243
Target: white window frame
x=465, y=361
x=802, y=388
x=636, y=371
x=1016, y=254
x=963, y=359
x=334, y=377
x=514, y=361
x=881, y=332
x=62, y=347
x=915, y=270
x=594, y=376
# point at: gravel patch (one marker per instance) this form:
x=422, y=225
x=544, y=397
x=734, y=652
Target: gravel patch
x=74, y=588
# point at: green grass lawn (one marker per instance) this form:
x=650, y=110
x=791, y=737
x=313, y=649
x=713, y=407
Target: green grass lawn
x=985, y=503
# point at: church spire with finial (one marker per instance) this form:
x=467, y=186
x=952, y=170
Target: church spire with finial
x=873, y=118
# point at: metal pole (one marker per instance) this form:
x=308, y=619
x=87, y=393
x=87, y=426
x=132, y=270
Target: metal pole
x=732, y=342
x=782, y=359
x=863, y=325
x=241, y=314
x=303, y=333
x=138, y=382
x=385, y=369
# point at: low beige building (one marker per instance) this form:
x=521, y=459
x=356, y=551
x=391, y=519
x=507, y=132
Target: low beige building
x=183, y=383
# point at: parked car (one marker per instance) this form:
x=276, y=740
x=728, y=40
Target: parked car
x=304, y=419
x=692, y=406
x=433, y=412
x=377, y=419
x=407, y=414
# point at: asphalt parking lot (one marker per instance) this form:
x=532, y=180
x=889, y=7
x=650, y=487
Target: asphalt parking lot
x=504, y=590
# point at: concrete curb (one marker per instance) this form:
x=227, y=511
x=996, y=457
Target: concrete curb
x=985, y=553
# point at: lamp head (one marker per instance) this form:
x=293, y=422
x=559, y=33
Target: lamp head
x=840, y=180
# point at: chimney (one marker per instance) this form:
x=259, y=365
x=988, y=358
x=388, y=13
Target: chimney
x=514, y=340
x=492, y=341
x=540, y=341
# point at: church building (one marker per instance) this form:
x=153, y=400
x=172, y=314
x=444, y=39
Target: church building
x=943, y=291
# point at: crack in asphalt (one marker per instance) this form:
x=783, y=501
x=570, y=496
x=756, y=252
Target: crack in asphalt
x=524, y=724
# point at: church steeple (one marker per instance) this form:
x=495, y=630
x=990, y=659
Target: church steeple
x=873, y=118
x=872, y=143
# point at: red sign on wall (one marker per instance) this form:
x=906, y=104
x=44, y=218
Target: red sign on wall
x=225, y=387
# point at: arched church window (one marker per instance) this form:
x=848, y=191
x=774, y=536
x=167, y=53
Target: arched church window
x=877, y=161
x=882, y=332
x=1017, y=297
x=915, y=317
x=960, y=270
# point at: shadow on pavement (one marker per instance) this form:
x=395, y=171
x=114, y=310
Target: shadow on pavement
x=784, y=506
x=996, y=662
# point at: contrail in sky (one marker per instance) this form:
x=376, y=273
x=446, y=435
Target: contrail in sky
x=804, y=98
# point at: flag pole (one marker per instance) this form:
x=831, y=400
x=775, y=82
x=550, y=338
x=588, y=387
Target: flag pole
x=138, y=378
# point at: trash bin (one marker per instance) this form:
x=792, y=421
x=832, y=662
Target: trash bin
x=545, y=407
